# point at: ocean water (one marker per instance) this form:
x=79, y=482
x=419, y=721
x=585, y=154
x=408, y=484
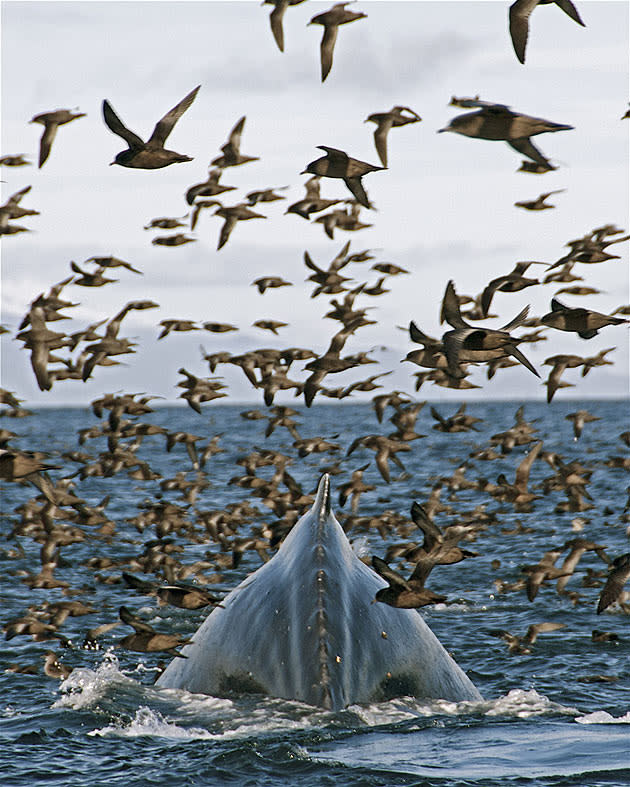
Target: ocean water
x=559, y=715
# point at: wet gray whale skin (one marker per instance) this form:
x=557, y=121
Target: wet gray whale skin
x=304, y=626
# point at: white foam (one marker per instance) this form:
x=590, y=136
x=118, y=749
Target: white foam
x=147, y=722
x=523, y=704
x=603, y=717
x=517, y=703
x=83, y=688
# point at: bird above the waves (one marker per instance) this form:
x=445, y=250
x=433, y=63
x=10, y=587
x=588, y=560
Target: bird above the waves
x=232, y=215
x=387, y=120
x=585, y=322
x=470, y=344
x=331, y=19
x=402, y=593
x=51, y=122
x=438, y=548
x=617, y=578
x=579, y=418
x=151, y=154
x=232, y=156
x=276, y=17
x=499, y=122
x=354, y=488
x=182, y=596
x=544, y=569
x=146, y=639
x=559, y=364
x=538, y=203
x=518, y=644
x=337, y=164
x=519, y=14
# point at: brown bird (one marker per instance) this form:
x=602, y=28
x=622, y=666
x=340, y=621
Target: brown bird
x=585, y=322
x=151, y=154
x=519, y=21
x=499, y=122
x=619, y=575
x=94, y=278
x=468, y=343
x=270, y=325
x=401, y=593
x=146, y=639
x=559, y=364
x=354, y=488
x=544, y=569
x=51, y=122
x=15, y=160
x=514, y=281
x=270, y=282
x=232, y=215
x=337, y=164
x=519, y=644
x=172, y=240
x=387, y=120
x=538, y=203
x=580, y=418
x=176, y=325
x=209, y=188
x=276, y=17
x=312, y=202
x=331, y=19
x=232, y=156
x=165, y=223
x=265, y=195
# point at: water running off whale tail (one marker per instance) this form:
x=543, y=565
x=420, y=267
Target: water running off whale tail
x=304, y=626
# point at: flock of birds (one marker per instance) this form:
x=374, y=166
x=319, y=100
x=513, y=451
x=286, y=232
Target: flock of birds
x=57, y=516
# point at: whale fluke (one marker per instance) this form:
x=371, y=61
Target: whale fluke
x=304, y=626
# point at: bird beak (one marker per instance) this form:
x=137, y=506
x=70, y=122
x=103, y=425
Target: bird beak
x=111, y=163
x=304, y=172
x=440, y=130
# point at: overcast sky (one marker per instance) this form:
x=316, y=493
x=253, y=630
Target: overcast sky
x=444, y=207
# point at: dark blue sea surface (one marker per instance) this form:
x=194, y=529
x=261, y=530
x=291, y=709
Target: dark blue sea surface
x=557, y=715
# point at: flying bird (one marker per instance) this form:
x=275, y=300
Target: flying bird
x=519, y=14
x=585, y=322
x=386, y=120
x=337, y=164
x=471, y=344
x=151, y=154
x=276, y=17
x=331, y=19
x=498, y=121
x=538, y=203
x=232, y=156
x=51, y=122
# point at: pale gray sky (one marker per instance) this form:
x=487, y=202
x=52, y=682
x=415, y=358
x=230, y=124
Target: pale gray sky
x=445, y=205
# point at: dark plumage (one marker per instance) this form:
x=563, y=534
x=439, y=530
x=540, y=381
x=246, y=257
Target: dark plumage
x=151, y=154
